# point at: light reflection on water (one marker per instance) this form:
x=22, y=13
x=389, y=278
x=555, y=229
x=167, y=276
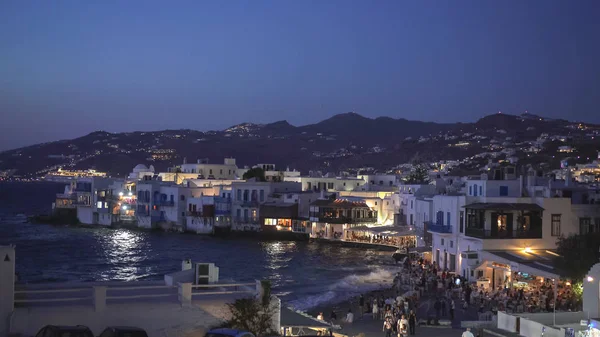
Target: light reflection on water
x=298, y=270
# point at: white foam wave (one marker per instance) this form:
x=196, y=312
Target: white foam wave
x=346, y=288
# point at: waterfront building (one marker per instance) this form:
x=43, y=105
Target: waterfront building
x=209, y=210
x=382, y=202
x=506, y=221
x=282, y=220
x=96, y=201
x=247, y=197
x=331, y=216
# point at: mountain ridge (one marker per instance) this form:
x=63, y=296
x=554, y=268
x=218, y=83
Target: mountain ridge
x=342, y=140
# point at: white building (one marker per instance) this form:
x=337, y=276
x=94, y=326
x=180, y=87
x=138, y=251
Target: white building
x=203, y=170
x=141, y=171
x=328, y=183
x=247, y=197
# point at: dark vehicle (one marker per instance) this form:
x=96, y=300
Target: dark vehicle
x=123, y=331
x=65, y=331
x=228, y=333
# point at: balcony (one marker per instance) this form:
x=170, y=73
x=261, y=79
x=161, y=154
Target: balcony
x=488, y=234
x=166, y=203
x=194, y=213
x=435, y=228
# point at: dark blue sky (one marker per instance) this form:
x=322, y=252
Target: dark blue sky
x=71, y=67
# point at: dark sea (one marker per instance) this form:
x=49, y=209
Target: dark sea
x=303, y=274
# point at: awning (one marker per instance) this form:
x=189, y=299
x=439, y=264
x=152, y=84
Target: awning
x=539, y=262
x=296, y=319
x=504, y=206
x=385, y=230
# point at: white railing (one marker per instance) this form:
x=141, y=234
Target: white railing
x=98, y=293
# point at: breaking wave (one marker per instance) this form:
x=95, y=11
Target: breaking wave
x=346, y=288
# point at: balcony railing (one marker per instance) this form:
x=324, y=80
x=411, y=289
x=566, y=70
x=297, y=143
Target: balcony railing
x=488, y=234
x=439, y=228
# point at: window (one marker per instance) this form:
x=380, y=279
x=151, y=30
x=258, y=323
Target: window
x=555, y=224
x=239, y=195
x=411, y=204
x=462, y=221
x=584, y=225
x=221, y=171
x=439, y=218
x=472, y=273
x=375, y=203
x=475, y=190
x=262, y=195
x=451, y=244
x=182, y=197
x=442, y=241
x=503, y=191
x=470, y=190
x=210, y=171
x=480, y=190
x=447, y=218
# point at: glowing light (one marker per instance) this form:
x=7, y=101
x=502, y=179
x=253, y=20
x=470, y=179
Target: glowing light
x=527, y=250
x=124, y=207
x=129, y=194
x=590, y=279
x=568, y=283
x=120, y=194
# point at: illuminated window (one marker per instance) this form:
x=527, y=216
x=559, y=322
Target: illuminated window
x=502, y=219
x=99, y=204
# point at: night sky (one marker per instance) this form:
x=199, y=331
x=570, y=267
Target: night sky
x=71, y=67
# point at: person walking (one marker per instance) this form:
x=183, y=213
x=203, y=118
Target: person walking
x=361, y=303
x=402, y=326
x=412, y=322
x=388, y=327
x=375, y=310
x=452, y=307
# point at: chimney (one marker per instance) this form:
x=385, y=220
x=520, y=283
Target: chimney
x=185, y=160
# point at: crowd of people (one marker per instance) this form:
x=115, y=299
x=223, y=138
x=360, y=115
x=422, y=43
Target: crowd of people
x=397, y=309
x=534, y=296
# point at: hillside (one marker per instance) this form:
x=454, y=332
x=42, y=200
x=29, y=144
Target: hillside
x=344, y=141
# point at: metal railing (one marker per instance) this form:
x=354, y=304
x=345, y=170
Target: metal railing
x=518, y=234
x=439, y=228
